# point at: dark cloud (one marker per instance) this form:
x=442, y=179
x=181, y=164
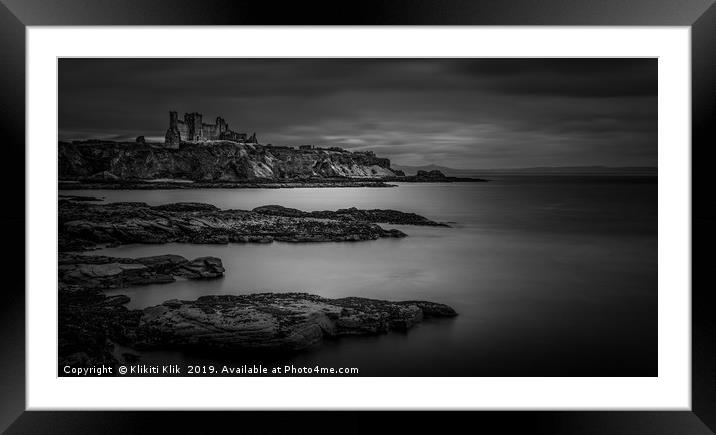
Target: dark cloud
x=588, y=77
x=454, y=112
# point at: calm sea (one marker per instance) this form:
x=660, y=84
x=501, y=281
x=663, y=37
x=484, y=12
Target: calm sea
x=550, y=275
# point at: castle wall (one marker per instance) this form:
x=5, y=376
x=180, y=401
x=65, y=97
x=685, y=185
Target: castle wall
x=215, y=131
x=232, y=135
x=183, y=130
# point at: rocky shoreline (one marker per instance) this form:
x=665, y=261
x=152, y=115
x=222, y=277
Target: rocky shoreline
x=110, y=182
x=85, y=225
x=275, y=322
x=164, y=185
x=352, y=214
x=90, y=322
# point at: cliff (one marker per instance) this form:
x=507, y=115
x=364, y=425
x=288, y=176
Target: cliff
x=217, y=161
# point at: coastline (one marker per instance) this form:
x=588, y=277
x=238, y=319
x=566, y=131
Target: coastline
x=149, y=185
x=91, y=322
x=258, y=184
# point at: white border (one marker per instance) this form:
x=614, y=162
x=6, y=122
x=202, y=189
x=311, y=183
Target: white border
x=671, y=390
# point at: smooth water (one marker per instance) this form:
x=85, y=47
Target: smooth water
x=550, y=275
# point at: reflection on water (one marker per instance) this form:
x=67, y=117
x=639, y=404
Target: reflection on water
x=551, y=276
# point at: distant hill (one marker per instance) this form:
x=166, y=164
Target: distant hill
x=538, y=170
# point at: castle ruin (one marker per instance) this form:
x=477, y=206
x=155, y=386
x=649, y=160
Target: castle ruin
x=193, y=129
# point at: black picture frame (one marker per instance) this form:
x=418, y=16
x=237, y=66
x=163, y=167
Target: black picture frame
x=15, y=15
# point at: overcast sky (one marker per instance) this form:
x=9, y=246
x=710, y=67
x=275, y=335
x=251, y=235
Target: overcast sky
x=461, y=113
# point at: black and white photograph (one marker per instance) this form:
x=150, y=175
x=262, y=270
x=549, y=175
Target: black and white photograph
x=378, y=217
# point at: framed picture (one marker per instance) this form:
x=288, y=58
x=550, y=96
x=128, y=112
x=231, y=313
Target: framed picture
x=435, y=206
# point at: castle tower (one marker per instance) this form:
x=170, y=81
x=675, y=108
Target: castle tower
x=173, y=137
x=221, y=126
x=195, y=130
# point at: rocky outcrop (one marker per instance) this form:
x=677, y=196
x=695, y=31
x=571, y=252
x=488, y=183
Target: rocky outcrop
x=275, y=321
x=353, y=214
x=101, y=272
x=433, y=176
x=83, y=225
x=215, y=161
x=90, y=322
x=202, y=268
x=430, y=175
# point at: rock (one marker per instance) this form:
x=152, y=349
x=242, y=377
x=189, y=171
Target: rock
x=186, y=207
x=202, y=268
x=89, y=323
x=277, y=210
x=109, y=275
x=431, y=309
x=166, y=264
x=78, y=198
x=116, y=301
x=433, y=176
x=379, y=216
x=100, y=272
x=397, y=234
x=84, y=226
x=274, y=321
x=352, y=215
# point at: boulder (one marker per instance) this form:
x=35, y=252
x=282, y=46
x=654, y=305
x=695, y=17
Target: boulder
x=202, y=268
